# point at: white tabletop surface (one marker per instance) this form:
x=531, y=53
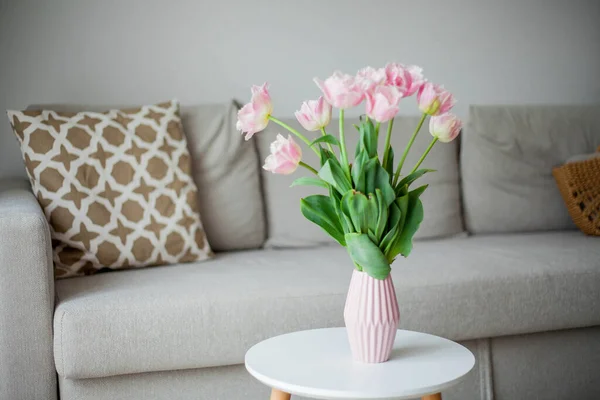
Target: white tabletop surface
x=318, y=364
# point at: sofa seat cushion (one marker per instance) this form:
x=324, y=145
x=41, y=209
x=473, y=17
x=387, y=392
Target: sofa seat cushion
x=190, y=316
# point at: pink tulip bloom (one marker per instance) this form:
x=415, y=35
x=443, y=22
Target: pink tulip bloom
x=445, y=127
x=368, y=78
x=433, y=99
x=254, y=116
x=285, y=156
x=341, y=90
x=314, y=114
x=408, y=79
x=382, y=103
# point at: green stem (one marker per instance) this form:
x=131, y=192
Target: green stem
x=377, y=125
x=407, y=149
x=328, y=144
x=388, y=138
x=343, y=154
x=308, y=167
x=295, y=132
x=425, y=154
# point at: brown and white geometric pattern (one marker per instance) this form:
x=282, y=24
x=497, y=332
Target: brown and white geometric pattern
x=116, y=187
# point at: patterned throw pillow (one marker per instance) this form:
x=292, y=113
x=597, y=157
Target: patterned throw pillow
x=116, y=187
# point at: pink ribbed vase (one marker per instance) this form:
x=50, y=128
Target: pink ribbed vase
x=371, y=315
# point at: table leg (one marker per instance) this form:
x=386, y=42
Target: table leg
x=437, y=396
x=279, y=395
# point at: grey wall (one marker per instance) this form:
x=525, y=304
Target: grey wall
x=141, y=51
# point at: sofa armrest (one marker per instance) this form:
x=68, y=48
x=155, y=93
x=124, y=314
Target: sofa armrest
x=26, y=297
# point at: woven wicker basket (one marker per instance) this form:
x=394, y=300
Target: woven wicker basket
x=579, y=185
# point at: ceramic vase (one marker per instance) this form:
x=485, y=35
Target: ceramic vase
x=371, y=315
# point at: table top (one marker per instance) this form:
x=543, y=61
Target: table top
x=318, y=364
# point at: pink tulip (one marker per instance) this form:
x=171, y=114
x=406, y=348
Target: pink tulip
x=433, y=99
x=408, y=79
x=285, y=156
x=382, y=103
x=445, y=127
x=368, y=78
x=341, y=90
x=314, y=114
x=254, y=116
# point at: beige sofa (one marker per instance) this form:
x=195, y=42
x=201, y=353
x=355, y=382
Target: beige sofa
x=521, y=290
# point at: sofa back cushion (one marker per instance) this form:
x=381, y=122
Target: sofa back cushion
x=507, y=156
x=287, y=226
x=225, y=169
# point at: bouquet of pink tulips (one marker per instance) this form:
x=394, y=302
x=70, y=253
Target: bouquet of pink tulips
x=371, y=209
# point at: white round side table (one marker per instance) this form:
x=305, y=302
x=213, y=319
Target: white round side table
x=318, y=364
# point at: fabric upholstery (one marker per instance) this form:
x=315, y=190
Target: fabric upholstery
x=184, y=317
x=220, y=383
x=116, y=186
x=549, y=365
x=565, y=365
x=226, y=170
x=507, y=156
x=287, y=226
x=26, y=297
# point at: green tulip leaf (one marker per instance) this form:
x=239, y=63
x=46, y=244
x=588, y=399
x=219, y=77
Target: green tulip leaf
x=358, y=175
x=309, y=181
x=402, y=203
x=393, y=229
x=410, y=225
x=325, y=155
x=409, y=179
x=382, y=181
x=370, y=174
x=413, y=220
x=367, y=255
x=333, y=174
x=336, y=199
x=382, y=215
x=320, y=210
x=390, y=163
x=368, y=138
x=355, y=206
x=372, y=217
x=326, y=139
x=418, y=191
x=347, y=224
